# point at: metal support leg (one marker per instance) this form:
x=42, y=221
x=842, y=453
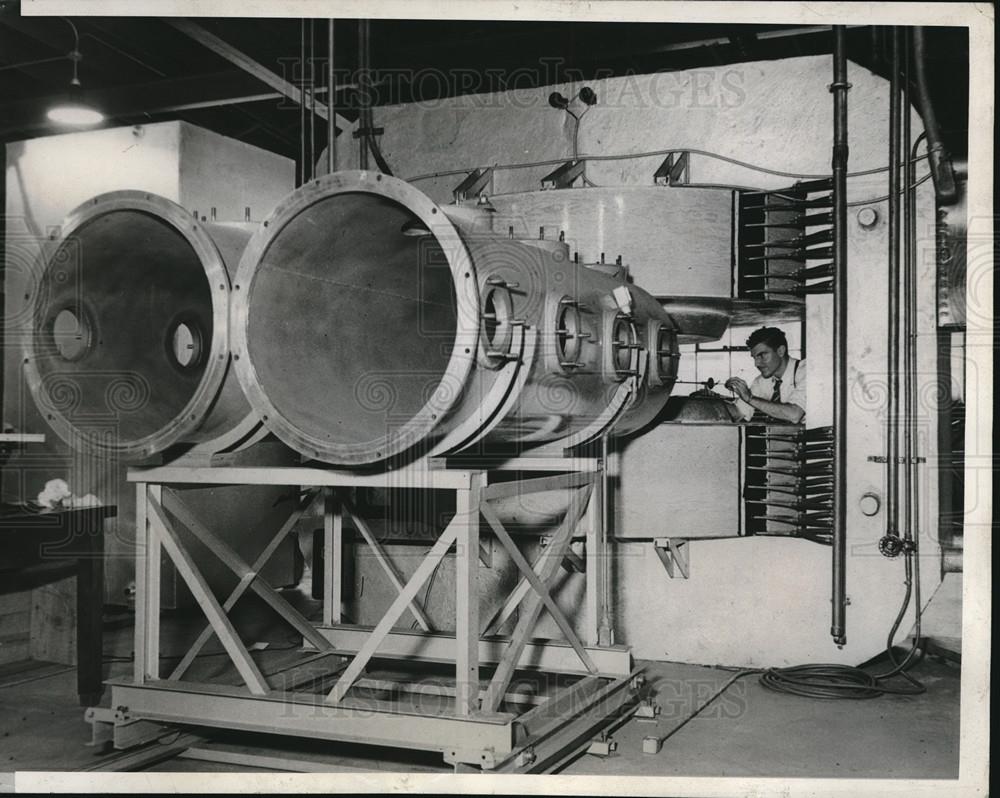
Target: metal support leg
x=595, y=551
x=467, y=599
x=606, y=633
x=89, y=617
x=333, y=560
x=147, y=589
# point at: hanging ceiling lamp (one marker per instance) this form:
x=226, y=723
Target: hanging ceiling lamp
x=72, y=109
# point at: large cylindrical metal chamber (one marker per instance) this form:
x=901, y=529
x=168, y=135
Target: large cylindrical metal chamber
x=129, y=354
x=371, y=324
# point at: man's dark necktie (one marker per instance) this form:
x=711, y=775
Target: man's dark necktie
x=776, y=394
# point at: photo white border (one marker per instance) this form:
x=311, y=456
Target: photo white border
x=977, y=576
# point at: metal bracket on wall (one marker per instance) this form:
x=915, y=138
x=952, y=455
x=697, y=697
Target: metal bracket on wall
x=473, y=185
x=674, y=171
x=563, y=176
x=673, y=553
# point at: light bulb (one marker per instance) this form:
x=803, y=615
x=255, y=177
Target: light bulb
x=76, y=114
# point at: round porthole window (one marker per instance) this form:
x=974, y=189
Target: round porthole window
x=186, y=344
x=496, y=332
x=623, y=340
x=72, y=333
x=568, y=335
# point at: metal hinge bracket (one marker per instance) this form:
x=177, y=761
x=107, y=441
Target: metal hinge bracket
x=673, y=553
x=563, y=176
x=674, y=171
x=473, y=185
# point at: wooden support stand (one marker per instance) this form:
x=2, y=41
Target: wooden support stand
x=474, y=719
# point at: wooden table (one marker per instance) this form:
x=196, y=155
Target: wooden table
x=30, y=538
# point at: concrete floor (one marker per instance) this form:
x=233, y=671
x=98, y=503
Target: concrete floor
x=748, y=731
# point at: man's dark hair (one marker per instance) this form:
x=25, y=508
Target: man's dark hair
x=771, y=336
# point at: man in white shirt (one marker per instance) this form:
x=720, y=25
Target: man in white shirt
x=780, y=390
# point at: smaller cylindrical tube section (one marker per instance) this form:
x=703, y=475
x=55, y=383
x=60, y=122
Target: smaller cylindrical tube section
x=129, y=353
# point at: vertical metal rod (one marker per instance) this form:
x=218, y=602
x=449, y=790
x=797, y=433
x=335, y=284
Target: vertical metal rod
x=892, y=416
x=911, y=234
x=302, y=103
x=911, y=531
x=331, y=94
x=839, y=88
x=908, y=320
x=312, y=99
x=362, y=92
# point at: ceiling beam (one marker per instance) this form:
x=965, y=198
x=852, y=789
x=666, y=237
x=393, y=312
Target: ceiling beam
x=248, y=64
x=57, y=35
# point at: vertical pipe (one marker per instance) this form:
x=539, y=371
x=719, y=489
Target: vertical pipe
x=938, y=158
x=909, y=375
x=892, y=367
x=312, y=99
x=910, y=262
x=331, y=114
x=362, y=93
x=302, y=103
x=839, y=88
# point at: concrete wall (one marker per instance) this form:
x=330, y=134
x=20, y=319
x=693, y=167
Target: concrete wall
x=749, y=601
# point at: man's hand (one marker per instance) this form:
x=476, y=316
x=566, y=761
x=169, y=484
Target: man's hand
x=739, y=387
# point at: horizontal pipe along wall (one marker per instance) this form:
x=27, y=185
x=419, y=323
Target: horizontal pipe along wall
x=743, y=596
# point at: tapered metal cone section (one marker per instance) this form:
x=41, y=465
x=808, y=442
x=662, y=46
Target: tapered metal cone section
x=355, y=319
x=129, y=353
